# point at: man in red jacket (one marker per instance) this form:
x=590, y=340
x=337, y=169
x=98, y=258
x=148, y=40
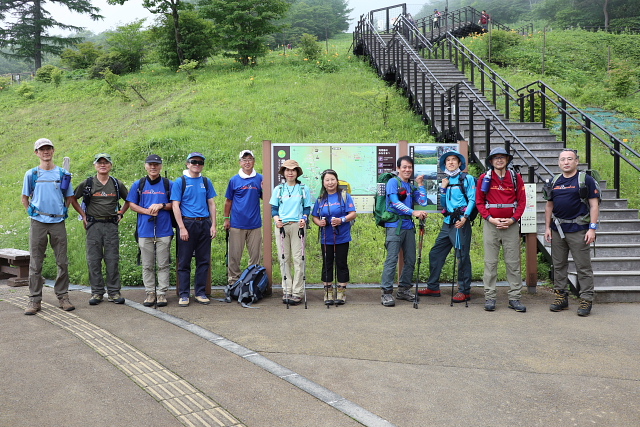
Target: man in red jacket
x=501, y=200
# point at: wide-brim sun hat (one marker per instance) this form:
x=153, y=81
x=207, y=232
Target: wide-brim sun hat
x=495, y=152
x=443, y=158
x=290, y=164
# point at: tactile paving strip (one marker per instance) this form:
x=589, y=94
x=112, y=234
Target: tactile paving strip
x=189, y=405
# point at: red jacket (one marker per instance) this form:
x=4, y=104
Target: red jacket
x=501, y=192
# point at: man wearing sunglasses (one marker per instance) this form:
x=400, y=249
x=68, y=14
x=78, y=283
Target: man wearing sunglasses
x=242, y=218
x=193, y=196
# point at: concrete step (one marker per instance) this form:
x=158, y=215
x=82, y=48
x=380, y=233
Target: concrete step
x=617, y=294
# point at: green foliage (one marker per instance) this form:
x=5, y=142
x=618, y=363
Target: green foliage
x=129, y=42
x=82, y=57
x=309, y=47
x=241, y=27
x=56, y=76
x=188, y=67
x=44, y=74
x=4, y=82
x=321, y=18
x=26, y=90
x=623, y=79
x=501, y=43
x=197, y=39
x=112, y=61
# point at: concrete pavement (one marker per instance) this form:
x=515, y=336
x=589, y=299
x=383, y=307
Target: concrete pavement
x=359, y=364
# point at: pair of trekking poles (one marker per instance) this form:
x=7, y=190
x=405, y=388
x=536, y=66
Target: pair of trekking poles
x=302, y=236
x=329, y=302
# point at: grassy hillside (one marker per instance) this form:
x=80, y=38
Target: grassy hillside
x=228, y=108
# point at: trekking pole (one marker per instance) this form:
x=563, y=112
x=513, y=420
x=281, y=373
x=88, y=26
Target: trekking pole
x=155, y=261
x=420, y=240
x=304, y=266
x=324, y=259
x=455, y=261
x=284, y=268
x=335, y=264
x=226, y=255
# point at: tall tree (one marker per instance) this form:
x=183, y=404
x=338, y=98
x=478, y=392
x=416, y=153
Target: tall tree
x=27, y=35
x=165, y=7
x=321, y=18
x=241, y=26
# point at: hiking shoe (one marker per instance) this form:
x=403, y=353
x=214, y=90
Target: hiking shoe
x=202, y=299
x=561, y=302
x=328, y=295
x=65, y=304
x=584, y=309
x=150, y=300
x=95, y=299
x=429, y=293
x=116, y=298
x=341, y=296
x=32, y=308
x=295, y=300
x=460, y=297
x=516, y=305
x=387, y=300
x=490, y=305
x=285, y=298
x=183, y=302
x=162, y=301
x=405, y=294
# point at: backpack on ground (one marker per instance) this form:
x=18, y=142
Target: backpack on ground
x=250, y=287
x=380, y=213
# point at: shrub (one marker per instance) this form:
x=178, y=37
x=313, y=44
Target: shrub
x=82, y=57
x=112, y=61
x=4, y=82
x=56, y=76
x=310, y=48
x=622, y=80
x=44, y=73
x=26, y=90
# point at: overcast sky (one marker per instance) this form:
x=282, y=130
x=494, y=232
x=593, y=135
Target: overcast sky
x=132, y=9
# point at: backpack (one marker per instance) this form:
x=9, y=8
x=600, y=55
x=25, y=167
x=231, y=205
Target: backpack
x=167, y=190
x=86, y=194
x=380, y=213
x=514, y=179
x=463, y=178
x=250, y=287
x=34, y=179
x=547, y=190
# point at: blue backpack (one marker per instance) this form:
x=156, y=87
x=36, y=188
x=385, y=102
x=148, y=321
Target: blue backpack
x=250, y=287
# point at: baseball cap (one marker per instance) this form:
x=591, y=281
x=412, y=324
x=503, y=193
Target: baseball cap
x=154, y=158
x=245, y=152
x=195, y=154
x=41, y=143
x=102, y=156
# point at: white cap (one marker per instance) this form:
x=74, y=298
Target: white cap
x=245, y=152
x=41, y=143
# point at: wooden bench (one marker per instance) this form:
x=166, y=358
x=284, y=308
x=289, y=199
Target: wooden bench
x=15, y=262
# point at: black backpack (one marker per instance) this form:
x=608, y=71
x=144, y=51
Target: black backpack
x=250, y=287
x=461, y=184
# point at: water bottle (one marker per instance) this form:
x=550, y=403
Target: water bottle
x=486, y=183
x=65, y=181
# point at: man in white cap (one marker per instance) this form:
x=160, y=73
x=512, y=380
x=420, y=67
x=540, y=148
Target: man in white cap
x=46, y=194
x=149, y=197
x=242, y=218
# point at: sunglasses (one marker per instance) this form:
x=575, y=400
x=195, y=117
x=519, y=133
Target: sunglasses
x=197, y=162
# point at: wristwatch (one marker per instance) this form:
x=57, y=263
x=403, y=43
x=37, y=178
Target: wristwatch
x=593, y=226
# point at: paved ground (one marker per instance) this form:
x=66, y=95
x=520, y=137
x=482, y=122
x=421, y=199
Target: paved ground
x=360, y=364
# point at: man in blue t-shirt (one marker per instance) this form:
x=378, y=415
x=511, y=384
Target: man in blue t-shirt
x=149, y=197
x=401, y=197
x=46, y=194
x=194, y=207
x=242, y=218
x=570, y=225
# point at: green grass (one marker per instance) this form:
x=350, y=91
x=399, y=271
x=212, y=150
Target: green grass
x=228, y=108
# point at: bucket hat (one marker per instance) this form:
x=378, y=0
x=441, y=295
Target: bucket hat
x=290, y=164
x=443, y=158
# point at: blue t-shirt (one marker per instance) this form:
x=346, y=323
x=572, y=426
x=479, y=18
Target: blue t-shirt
x=152, y=194
x=453, y=198
x=245, y=193
x=290, y=201
x=414, y=195
x=334, y=206
x=193, y=203
x=47, y=195
x=567, y=203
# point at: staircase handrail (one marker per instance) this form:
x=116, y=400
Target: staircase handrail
x=462, y=15
x=412, y=32
x=488, y=113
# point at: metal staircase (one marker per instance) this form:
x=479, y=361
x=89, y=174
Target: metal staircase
x=460, y=97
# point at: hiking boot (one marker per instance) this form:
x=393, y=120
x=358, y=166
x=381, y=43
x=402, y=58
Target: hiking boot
x=584, y=309
x=295, y=300
x=341, y=296
x=203, y=299
x=116, y=298
x=387, y=300
x=516, y=305
x=95, y=299
x=286, y=298
x=429, y=293
x=490, y=305
x=162, y=301
x=33, y=307
x=183, y=302
x=65, y=304
x=460, y=297
x=405, y=294
x=561, y=302
x=150, y=300
x=328, y=295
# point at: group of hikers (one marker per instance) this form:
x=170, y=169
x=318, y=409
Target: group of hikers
x=187, y=204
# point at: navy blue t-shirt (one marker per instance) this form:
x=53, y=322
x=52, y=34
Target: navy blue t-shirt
x=567, y=203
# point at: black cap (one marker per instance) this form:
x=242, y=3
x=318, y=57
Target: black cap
x=154, y=158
